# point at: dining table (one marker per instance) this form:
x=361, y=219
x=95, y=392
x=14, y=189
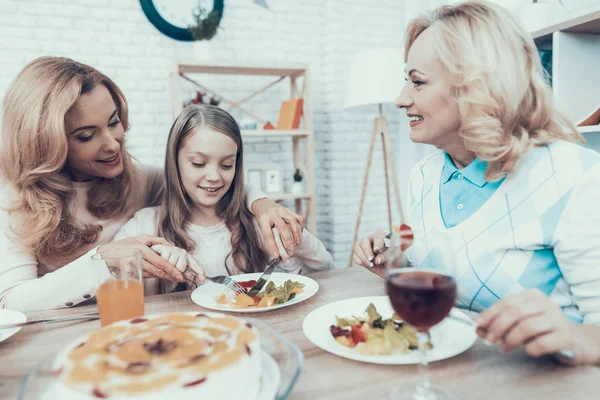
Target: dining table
x=483, y=371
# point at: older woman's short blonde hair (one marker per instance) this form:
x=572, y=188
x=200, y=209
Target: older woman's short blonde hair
x=498, y=81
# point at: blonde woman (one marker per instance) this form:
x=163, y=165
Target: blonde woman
x=69, y=185
x=204, y=206
x=512, y=196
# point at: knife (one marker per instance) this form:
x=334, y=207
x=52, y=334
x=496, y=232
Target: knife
x=405, y=233
x=386, y=245
x=264, y=278
x=51, y=320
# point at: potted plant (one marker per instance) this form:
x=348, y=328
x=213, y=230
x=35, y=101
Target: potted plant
x=206, y=23
x=205, y=27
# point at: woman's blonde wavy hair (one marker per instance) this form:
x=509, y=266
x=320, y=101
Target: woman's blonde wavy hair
x=177, y=207
x=498, y=81
x=34, y=154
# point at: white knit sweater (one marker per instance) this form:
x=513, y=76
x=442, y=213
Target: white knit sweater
x=540, y=229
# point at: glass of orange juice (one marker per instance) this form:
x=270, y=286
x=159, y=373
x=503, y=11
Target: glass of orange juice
x=120, y=293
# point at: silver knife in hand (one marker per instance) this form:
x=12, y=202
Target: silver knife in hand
x=264, y=278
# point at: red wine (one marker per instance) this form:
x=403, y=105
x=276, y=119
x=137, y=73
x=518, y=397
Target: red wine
x=421, y=298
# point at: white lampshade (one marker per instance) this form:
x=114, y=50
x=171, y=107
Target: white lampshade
x=376, y=76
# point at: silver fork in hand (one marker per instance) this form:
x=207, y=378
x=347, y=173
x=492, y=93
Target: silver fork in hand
x=221, y=280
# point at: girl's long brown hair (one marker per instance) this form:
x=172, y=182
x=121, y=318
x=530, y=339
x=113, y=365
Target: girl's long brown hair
x=34, y=153
x=247, y=252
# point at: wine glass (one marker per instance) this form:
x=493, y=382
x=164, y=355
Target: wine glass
x=422, y=292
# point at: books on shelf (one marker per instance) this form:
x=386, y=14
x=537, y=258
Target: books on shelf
x=289, y=114
x=289, y=196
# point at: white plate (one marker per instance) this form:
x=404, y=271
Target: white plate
x=10, y=317
x=449, y=337
x=205, y=295
x=269, y=380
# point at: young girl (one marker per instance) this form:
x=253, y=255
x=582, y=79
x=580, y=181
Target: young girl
x=204, y=208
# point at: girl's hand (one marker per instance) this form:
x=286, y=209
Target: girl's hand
x=153, y=265
x=531, y=320
x=285, y=254
x=174, y=255
x=182, y=259
x=271, y=215
x=197, y=268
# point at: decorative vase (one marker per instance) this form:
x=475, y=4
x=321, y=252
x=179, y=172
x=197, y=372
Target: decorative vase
x=298, y=185
x=298, y=188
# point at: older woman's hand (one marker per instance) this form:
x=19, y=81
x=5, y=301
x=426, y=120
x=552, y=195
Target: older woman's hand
x=364, y=250
x=153, y=265
x=289, y=224
x=531, y=320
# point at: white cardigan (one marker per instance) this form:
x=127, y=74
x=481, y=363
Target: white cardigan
x=540, y=229
x=27, y=285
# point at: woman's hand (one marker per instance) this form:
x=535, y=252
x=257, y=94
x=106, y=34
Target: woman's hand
x=364, y=250
x=271, y=215
x=531, y=320
x=153, y=265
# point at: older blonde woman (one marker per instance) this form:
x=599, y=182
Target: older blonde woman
x=512, y=198
x=70, y=185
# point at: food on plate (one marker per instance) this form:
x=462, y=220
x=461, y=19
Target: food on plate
x=270, y=295
x=372, y=335
x=182, y=355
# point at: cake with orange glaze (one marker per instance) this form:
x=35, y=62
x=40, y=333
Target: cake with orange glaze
x=181, y=356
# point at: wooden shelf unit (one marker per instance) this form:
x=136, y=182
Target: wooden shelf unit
x=273, y=132
x=592, y=129
x=588, y=23
x=181, y=70
x=288, y=196
x=575, y=46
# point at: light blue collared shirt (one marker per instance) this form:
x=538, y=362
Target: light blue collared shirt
x=462, y=192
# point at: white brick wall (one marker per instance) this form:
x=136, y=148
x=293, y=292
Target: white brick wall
x=115, y=37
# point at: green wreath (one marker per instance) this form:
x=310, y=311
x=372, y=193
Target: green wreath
x=207, y=23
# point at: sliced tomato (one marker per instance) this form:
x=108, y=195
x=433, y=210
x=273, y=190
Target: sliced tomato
x=358, y=336
x=406, y=236
x=247, y=284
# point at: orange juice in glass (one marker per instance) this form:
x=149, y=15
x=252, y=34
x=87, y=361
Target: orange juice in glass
x=120, y=293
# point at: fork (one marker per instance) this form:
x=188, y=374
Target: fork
x=386, y=245
x=221, y=280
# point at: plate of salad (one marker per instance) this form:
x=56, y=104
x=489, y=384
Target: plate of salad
x=366, y=329
x=282, y=290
